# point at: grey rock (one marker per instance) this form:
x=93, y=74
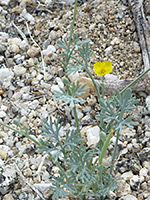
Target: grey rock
x=19, y=58
x=42, y=187
x=1, y=59
x=19, y=70
x=6, y=74
x=49, y=49
x=3, y=35
x=52, y=35
x=135, y=182
x=144, y=154
x=7, y=177
x=108, y=50
x=128, y=197
x=3, y=48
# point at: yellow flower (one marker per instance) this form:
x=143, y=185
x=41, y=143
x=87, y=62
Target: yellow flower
x=102, y=68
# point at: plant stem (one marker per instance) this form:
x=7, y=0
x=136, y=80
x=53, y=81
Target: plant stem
x=73, y=22
x=94, y=83
x=76, y=118
x=114, y=152
x=103, y=87
x=133, y=82
x=70, y=38
x=105, y=146
x=22, y=133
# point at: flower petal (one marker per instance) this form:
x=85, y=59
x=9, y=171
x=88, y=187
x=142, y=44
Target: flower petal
x=102, y=68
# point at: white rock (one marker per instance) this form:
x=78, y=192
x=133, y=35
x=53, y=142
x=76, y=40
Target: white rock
x=49, y=49
x=55, y=88
x=39, y=77
x=51, y=106
x=148, y=101
x=108, y=50
x=67, y=2
x=123, y=188
x=144, y=186
x=2, y=114
x=34, y=104
x=23, y=45
x=52, y=35
x=4, y=2
x=59, y=82
x=115, y=41
x=14, y=41
x=143, y=172
x=45, y=85
x=3, y=35
x=6, y=74
x=4, y=108
x=112, y=195
x=128, y=197
x=23, y=108
x=146, y=164
x=17, y=96
x=127, y=175
x=13, y=49
x=92, y=26
x=79, y=113
x=25, y=89
x=19, y=70
x=93, y=135
x=113, y=139
x=87, y=109
x=1, y=59
x=135, y=182
x=147, y=134
x=110, y=77
x=73, y=76
x=27, y=16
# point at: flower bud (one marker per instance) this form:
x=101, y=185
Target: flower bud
x=66, y=81
x=16, y=121
x=102, y=136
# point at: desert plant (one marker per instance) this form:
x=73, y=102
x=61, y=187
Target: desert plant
x=82, y=174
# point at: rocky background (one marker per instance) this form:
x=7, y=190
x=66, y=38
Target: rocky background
x=30, y=72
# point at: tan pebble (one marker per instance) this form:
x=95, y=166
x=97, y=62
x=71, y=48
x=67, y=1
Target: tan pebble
x=111, y=29
x=2, y=92
x=8, y=197
x=28, y=172
x=33, y=52
x=89, y=85
x=137, y=49
x=3, y=154
x=140, y=198
x=16, y=10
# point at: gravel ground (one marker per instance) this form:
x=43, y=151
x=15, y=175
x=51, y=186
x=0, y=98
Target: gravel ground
x=29, y=28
